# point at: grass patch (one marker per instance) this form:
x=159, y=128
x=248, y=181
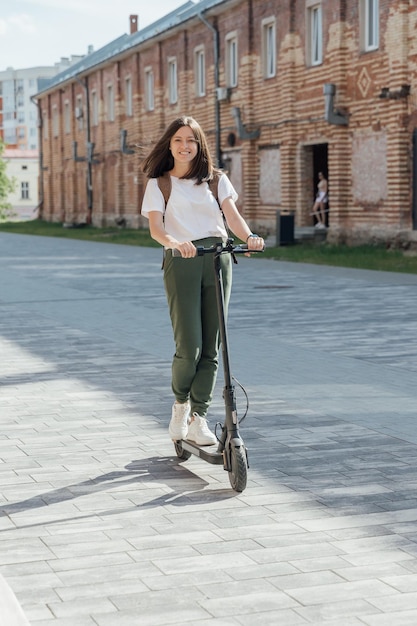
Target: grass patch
x=360, y=257
x=111, y=234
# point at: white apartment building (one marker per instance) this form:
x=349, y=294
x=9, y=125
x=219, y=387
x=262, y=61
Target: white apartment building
x=18, y=113
x=23, y=168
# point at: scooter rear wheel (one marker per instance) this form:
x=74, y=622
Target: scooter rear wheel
x=238, y=475
x=182, y=454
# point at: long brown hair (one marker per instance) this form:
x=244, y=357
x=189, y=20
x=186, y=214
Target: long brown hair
x=160, y=159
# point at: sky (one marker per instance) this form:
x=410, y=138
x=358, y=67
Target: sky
x=39, y=32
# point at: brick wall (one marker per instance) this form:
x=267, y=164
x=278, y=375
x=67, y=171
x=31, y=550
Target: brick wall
x=368, y=161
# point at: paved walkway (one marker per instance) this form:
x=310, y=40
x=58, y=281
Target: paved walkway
x=102, y=526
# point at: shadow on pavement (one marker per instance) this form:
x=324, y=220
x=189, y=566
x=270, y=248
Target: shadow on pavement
x=166, y=470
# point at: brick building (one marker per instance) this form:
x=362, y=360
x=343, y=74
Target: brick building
x=283, y=88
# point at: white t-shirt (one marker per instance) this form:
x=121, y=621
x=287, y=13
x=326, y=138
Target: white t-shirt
x=192, y=211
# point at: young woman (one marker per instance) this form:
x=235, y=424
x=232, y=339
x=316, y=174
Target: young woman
x=192, y=217
x=320, y=202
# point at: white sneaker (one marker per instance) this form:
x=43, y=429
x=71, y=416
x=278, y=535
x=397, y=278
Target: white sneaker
x=199, y=432
x=178, y=426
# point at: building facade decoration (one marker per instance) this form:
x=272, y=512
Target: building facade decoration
x=284, y=89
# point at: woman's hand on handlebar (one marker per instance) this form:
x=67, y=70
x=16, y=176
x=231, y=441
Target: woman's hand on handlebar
x=186, y=249
x=255, y=244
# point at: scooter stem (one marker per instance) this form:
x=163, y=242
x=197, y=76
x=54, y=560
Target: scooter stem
x=221, y=314
x=230, y=429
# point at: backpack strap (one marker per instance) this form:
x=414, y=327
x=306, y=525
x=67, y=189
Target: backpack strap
x=214, y=188
x=164, y=184
x=213, y=184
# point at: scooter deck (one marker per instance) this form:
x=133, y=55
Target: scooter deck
x=207, y=453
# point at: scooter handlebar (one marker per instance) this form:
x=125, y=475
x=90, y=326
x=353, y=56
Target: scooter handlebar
x=220, y=249
x=224, y=249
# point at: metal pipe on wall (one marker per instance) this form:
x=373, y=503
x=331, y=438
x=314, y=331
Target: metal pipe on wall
x=89, y=151
x=219, y=159
x=39, y=206
x=414, y=181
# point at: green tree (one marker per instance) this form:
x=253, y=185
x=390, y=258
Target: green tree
x=7, y=186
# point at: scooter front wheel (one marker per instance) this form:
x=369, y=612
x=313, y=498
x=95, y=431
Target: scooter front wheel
x=238, y=474
x=182, y=454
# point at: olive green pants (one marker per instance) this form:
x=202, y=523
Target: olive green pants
x=191, y=293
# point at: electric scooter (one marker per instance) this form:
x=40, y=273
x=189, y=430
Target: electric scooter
x=231, y=451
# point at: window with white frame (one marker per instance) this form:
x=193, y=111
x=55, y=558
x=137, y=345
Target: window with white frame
x=55, y=121
x=172, y=81
x=128, y=97
x=369, y=14
x=231, y=60
x=24, y=191
x=94, y=108
x=269, y=47
x=315, y=32
x=110, y=103
x=200, y=71
x=149, y=90
x=67, y=117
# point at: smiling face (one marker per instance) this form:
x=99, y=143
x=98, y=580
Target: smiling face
x=184, y=147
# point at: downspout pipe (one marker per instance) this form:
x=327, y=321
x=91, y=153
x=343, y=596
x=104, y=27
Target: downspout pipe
x=89, y=150
x=219, y=159
x=330, y=115
x=39, y=206
x=414, y=200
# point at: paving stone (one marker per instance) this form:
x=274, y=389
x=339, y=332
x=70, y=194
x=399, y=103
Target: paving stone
x=341, y=591
x=399, y=618
x=101, y=524
x=332, y=611
x=271, y=618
